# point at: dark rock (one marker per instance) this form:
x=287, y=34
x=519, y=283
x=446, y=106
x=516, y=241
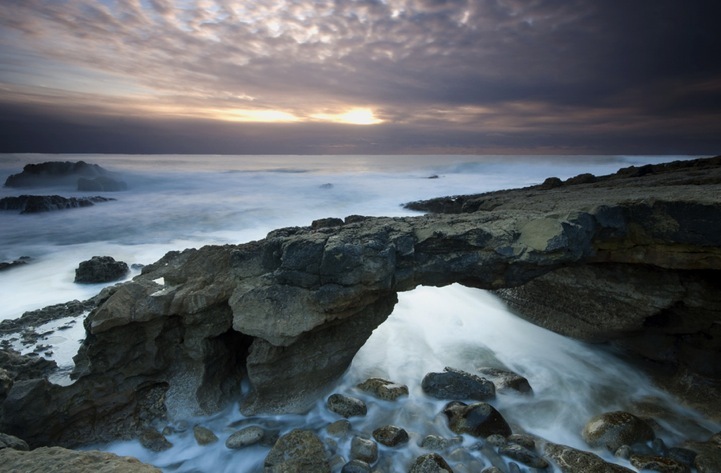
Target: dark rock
x=356, y=466
x=457, y=384
x=346, y=406
x=23, y=260
x=505, y=380
x=53, y=173
x=339, y=428
x=28, y=204
x=299, y=451
x=326, y=223
x=523, y=455
x=33, y=318
x=550, y=183
x=586, y=178
x=363, y=449
x=434, y=442
x=50, y=459
x=570, y=460
x=245, y=437
x=100, y=269
x=384, y=389
x=101, y=184
x=658, y=464
x=526, y=441
x=10, y=441
x=614, y=429
x=203, y=435
x=154, y=440
x=390, y=435
x=19, y=367
x=479, y=419
x=708, y=455
x=682, y=455
x=430, y=463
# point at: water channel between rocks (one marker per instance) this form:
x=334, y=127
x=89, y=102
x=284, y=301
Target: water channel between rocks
x=463, y=328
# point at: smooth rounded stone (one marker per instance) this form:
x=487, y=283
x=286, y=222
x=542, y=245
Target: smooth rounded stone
x=496, y=440
x=570, y=460
x=339, y=428
x=51, y=459
x=435, y=442
x=154, y=440
x=203, y=435
x=523, y=455
x=390, y=435
x=356, y=466
x=479, y=419
x=346, y=406
x=614, y=429
x=457, y=384
x=658, y=464
x=10, y=441
x=505, y=380
x=245, y=437
x=384, y=389
x=299, y=451
x=522, y=440
x=430, y=463
x=363, y=449
x=100, y=269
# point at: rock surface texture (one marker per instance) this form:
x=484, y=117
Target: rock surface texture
x=289, y=312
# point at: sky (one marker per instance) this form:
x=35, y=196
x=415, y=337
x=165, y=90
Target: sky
x=360, y=76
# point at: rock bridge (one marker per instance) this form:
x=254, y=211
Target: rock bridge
x=285, y=315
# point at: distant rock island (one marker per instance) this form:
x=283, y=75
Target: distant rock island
x=633, y=258
x=81, y=175
x=30, y=204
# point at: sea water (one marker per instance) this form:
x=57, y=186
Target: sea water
x=176, y=202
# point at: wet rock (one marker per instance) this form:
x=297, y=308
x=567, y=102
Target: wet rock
x=570, y=460
x=479, y=419
x=506, y=380
x=708, y=455
x=492, y=469
x=384, y=389
x=22, y=261
x=363, y=449
x=390, y=435
x=614, y=429
x=457, y=384
x=300, y=451
x=430, y=463
x=523, y=440
x=31, y=319
x=356, y=466
x=10, y=441
x=523, y=455
x=99, y=269
x=496, y=440
x=435, y=442
x=346, y=406
x=245, y=437
x=17, y=367
x=30, y=204
x=51, y=459
x=154, y=440
x=682, y=455
x=658, y=464
x=203, y=435
x=339, y=428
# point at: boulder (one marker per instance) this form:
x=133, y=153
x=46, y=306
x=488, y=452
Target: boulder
x=390, y=435
x=203, y=435
x=10, y=441
x=479, y=419
x=457, y=384
x=300, y=451
x=383, y=389
x=430, y=463
x=245, y=437
x=523, y=455
x=570, y=460
x=363, y=449
x=658, y=464
x=356, y=466
x=46, y=459
x=154, y=440
x=100, y=269
x=614, y=429
x=346, y=406
x=505, y=380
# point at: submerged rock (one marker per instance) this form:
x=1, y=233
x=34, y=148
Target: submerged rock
x=384, y=389
x=346, y=406
x=614, y=429
x=154, y=440
x=391, y=435
x=523, y=455
x=479, y=419
x=53, y=173
x=300, y=451
x=203, y=435
x=245, y=437
x=356, y=466
x=457, y=384
x=430, y=463
x=22, y=261
x=100, y=269
x=29, y=204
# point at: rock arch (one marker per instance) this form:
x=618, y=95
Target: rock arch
x=289, y=312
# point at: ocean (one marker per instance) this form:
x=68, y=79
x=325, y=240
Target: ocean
x=176, y=202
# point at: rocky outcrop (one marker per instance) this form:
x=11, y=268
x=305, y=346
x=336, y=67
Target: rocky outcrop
x=100, y=269
x=30, y=204
x=87, y=177
x=289, y=312
x=44, y=459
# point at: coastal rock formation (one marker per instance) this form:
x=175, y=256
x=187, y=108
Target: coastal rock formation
x=30, y=204
x=87, y=177
x=99, y=269
x=289, y=312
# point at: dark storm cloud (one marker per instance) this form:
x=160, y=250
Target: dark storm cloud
x=470, y=74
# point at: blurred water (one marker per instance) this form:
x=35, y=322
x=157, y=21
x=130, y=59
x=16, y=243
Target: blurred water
x=175, y=202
